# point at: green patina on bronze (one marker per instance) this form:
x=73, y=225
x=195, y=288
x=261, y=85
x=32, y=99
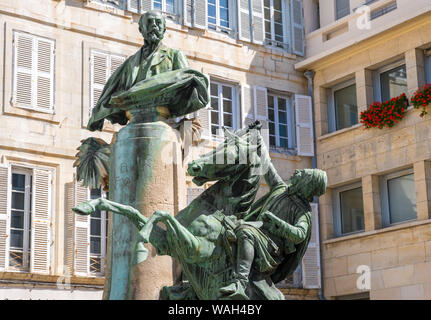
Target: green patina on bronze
x=228, y=245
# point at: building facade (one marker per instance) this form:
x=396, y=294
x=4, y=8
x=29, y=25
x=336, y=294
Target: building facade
x=375, y=222
x=56, y=58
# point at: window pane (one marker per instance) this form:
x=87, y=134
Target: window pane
x=270, y=101
x=214, y=103
x=211, y=11
x=157, y=6
x=214, y=90
x=282, y=117
x=95, y=264
x=283, y=130
x=17, y=219
x=271, y=128
x=283, y=143
x=95, y=193
x=224, y=3
x=352, y=211
x=346, y=110
x=15, y=259
x=281, y=104
x=18, y=182
x=227, y=106
x=277, y=4
x=18, y=200
x=95, y=227
x=393, y=83
x=214, y=117
x=227, y=92
x=402, y=199
x=227, y=120
x=17, y=238
x=272, y=141
x=95, y=245
x=271, y=114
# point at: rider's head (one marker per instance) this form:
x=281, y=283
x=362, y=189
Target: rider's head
x=308, y=183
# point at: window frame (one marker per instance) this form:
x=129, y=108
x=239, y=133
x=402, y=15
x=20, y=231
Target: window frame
x=338, y=227
x=231, y=18
x=286, y=25
x=175, y=6
x=336, y=12
x=34, y=72
x=427, y=65
x=377, y=84
x=236, y=116
x=332, y=112
x=103, y=244
x=290, y=121
x=384, y=197
x=28, y=192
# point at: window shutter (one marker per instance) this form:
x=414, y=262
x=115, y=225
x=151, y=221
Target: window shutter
x=247, y=105
x=200, y=14
x=187, y=12
x=146, y=5
x=342, y=8
x=99, y=75
x=116, y=61
x=297, y=27
x=69, y=225
x=81, y=232
x=45, y=74
x=134, y=6
x=304, y=125
x=193, y=193
x=23, y=69
x=244, y=24
x=261, y=111
x=258, y=23
x=311, y=259
x=41, y=222
x=5, y=183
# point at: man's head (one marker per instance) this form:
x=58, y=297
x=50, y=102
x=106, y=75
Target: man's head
x=309, y=183
x=152, y=26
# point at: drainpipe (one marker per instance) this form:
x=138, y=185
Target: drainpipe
x=309, y=74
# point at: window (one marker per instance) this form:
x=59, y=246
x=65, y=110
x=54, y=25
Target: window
x=342, y=8
x=20, y=220
x=33, y=72
x=224, y=108
x=383, y=10
x=393, y=82
x=102, y=66
x=25, y=219
x=280, y=121
x=349, y=210
x=428, y=66
x=98, y=236
x=398, y=197
x=218, y=14
x=275, y=22
x=342, y=107
x=167, y=6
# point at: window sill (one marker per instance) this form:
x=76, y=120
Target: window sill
x=332, y=134
x=49, y=279
x=377, y=232
x=31, y=113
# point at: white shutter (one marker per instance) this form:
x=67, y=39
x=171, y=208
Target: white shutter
x=261, y=111
x=200, y=14
x=5, y=191
x=311, y=259
x=193, y=193
x=99, y=74
x=33, y=83
x=304, y=125
x=23, y=69
x=69, y=224
x=258, y=22
x=134, y=6
x=81, y=232
x=247, y=105
x=244, y=23
x=146, y=5
x=41, y=221
x=187, y=12
x=297, y=27
x=115, y=62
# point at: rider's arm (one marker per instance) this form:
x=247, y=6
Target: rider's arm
x=295, y=233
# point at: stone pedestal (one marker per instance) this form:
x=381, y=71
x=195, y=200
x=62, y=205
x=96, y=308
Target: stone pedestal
x=146, y=172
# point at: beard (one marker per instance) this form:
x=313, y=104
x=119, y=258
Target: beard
x=154, y=36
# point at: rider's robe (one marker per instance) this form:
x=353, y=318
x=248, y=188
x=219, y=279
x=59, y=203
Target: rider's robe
x=278, y=264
